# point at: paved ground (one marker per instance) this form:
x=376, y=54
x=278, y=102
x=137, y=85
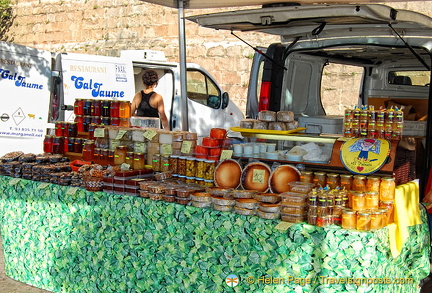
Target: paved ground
x=8, y=285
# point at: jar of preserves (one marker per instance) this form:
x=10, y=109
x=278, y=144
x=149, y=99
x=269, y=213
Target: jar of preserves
x=58, y=128
x=321, y=200
x=376, y=219
x=307, y=176
x=358, y=201
x=87, y=122
x=396, y=135
x=78, y=145
x=181, y=166
x=71, y=129
x=88, y=150
x=388, y=217
x=200, y=168
x=79, y=120
x=320, y=179
x=372, y=133
x=105, y=110
x=124, y=122
x=173, y=164
x=387, y=189
x=313, y=198
x=125, y=109
x=96, y=108
x=380, y=115
x=356, y=113
x=129, y=159
x=156, y=162
x=97, y=156
x=333, y=180
x=372, y=200
x=105, y=121
x=79, y=107
x=87, y=107
x=58, y=145
x=115, y=109
x=91, y=129
x=210, y=169
x=164, y=164
x=115, y=121
x=48, y=144
x=312, y=219
x=363, y=221
x=359, y=183
x=71, y=142
x=346, y=181
x=349, y=219
x=364, y=114
x=138, y=161
x=363, y=124
x=372, y=115
x=120, y=154
x=103, y=158
x=348, y=113
x=373, y=183
x=96, y=120
x=190, y=167
x=111, y=157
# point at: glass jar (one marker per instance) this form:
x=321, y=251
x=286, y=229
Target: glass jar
x=313, y=198
x=71, y=129
x=387, y=189
x=115, y=109
x=87, y=121
x=78, y=145
x=320, y=179
x=48, y=144
x=321, y=200
x=105, y=121
x=96, y=108
x=138, y=161
x=129, y=159
x=125, y=109
x=79, y=107
x=79, y=119
x=373, y=183
x=306, y=176
x=173, y=164
x=156, y=162
x=181, y=166
x=200, y=168
x=363, y=221
x=88, y=150
x=105, y=111
x=359, y=183
x=115, y=121
x=346, y=181
x=71, y=142
x=312, y=219
x=87, y=107
x=376, y=219
x=358, y=201
x=349, y=219
x=333, y=180
x=389, y=211
x=120, y=154
x=111, y=157
x=209, y=170
x=96, y=120
x=91, y=129
x=58, y=145
x=97, y=156
x=190, y=167
x=103, y=158
x=58, y=128
x=164, y=164
x=372, y=200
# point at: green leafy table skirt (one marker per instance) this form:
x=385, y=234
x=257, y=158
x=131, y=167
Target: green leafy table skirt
x=66, y=239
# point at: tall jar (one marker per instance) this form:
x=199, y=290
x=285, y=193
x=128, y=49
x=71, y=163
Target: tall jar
x=349, y=219
x=346, y=181
x=88, y=150
x=156, y=162
x=200, y=168
x=139, y=161
x=78, y=145
x=173, y=164
x=125, y=109
x=359, y=183
x=373, y=183
x=104, y=157
x=387, y=189
x=96, y=108
x=190, y=167
x=79, y=120
x=120, y=154
x=210, y=169
x=181, y=165
x=58, y=145
x=87, y=107
x=115, y=109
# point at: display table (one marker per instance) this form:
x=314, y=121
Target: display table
x=70, y=240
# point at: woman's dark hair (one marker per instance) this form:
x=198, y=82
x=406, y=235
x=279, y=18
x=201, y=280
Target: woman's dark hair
x=150, y=77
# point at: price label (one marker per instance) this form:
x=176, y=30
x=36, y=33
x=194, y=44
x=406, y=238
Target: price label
x=258, y=176
x=113, y=144
x=283, y=226
x=43, y=185
x=139, y=147
x=186, y=146
x=166, y=149
x=226, y=154
x=149, y=134
x=14, y=181
x=99, y=132
x=120, y=134
x=72, y=190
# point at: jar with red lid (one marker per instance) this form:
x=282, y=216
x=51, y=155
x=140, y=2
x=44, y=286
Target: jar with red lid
x=87, y=107
x=48, y=141
x=58, y=145
x=125, y=109
x=78, y=145
x=79, y=107
x=79, y=120
x=88, y=150
x=58, y=128
x=115, y=109
x=106, y=105
x=96, y=108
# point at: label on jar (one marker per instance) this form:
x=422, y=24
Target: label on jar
x=166, y=149
x=258, y=176
x=120, y=134
x=149, y=134
x=186, y=146
x=99, y=132
x=226, y=155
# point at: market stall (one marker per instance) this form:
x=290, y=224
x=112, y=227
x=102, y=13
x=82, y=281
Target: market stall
x=67, y=239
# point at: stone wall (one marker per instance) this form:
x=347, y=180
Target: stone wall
x=106, y=27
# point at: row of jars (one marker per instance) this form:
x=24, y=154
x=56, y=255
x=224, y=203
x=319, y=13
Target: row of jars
x=60, y=144
x=84, y=123
x=366, y=220
x=102, y=108
x=372, y=133
x=387, y=115
x=384, y=186
x=190, y=167
x=135, y=160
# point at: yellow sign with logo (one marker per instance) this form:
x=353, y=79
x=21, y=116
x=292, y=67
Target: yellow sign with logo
x=364, y=155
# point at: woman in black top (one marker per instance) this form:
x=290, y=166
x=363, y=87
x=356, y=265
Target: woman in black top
x=148, y=103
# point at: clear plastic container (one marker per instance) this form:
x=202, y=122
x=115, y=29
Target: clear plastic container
x=293, y=198
x=293, y=218
x=300, y=187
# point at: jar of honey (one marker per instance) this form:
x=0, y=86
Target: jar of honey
x=88, y=150
x=129, y=159
x=376, y=219
x=156, y=162
x=359, y=183
x=358, y=201
x=86, y=122
x=333, y=180
x=47, y=144
x=387, y=189
x=373, y=183
x=72, y=129
x=164, y=164
x=306, y=176
x=70, y=147
x=372, y=200
x=124, y=122
x=125, y=109
x=79, y=107
x=346, y=181
x=320, y=179
x=138, y=161
x=349, y=219
x=120, y=154
x=363, y=221
x=91, y=129
x=115, y=109
x=389, y=208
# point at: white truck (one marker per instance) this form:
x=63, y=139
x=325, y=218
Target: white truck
x=40, y=87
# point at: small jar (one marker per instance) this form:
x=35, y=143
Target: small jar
x=359, y=183
x=47, y=144
x=88, y=150
x=358, y=201
x=376, y=219
x=164, y=164
x=363, y=221
x=138, y=161
x=129, y=159
x=105, y=111
x=373, y=183
x=321, y=200
x=58, y=128
x=200, y=168
x=312, y=198
x=71, y=142
x=209, y=170
x=120, y=154
x=333, y=180
x=181, y=166
x=173, y=164
x=190, y=167
x=307, y=176
x=320, y=179
x=387, y=189
x=156, y=162
x=346, y=181
x=349, y=219
x=72, y=129
x=103, y=158
x=389, y=215
x=79, y=120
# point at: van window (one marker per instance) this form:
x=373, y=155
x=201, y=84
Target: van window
x=415, y=78
x=340, y=87
x=201, y=89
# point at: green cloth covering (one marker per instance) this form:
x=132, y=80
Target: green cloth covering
x=67, y=239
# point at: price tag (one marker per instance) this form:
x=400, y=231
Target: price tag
x=113, y=144
x=43, y=185
x=99, y=132
x=139, y=147
x=258, y=176
x=120, y=134
x=186, y=146
x=283, y=226
x=149, y=134
x=14, y=181
x=166, y=149
x=226, y=154
x=72, y=190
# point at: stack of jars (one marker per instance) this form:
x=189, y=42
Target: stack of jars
x=325, y=207
x=123, y=154
x=64, y=139
x=192, y=169
x=101, y=112
x=371, y=123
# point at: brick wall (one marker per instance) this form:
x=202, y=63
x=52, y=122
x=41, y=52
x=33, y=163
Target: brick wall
x=106, y=27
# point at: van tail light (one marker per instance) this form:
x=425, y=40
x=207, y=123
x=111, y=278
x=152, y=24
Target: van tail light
x=264, y=98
